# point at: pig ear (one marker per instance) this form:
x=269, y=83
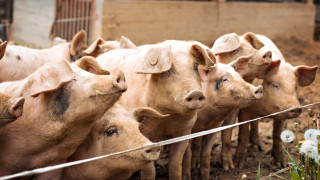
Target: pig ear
x=3, y=47
x=156, y=60
x=305, y=74
x=204, y=73
x=148, y=117
x=90, y=64
x=77, y=42
x=273, y=66
x=50, y=77
x=94, y=49
x=240, y=64
x=226, y=43
x=203, y=55
x=125, y=43
x=253, y=40
x=16, y=107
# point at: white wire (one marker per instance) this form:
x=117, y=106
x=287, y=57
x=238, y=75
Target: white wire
x=157, y=144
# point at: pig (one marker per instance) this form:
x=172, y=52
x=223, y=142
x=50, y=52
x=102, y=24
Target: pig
x=163, y=76
x=280, y=81
x=19, y=61
x=224, y=90
x=100, y=46
x=61, y=103
x=117, y=130
x=226, y=49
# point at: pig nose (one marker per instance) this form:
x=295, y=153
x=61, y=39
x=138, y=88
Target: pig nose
x=119, y=81
x=152, y=154
x=194, y=100
x=267, y=57
x=258, y=92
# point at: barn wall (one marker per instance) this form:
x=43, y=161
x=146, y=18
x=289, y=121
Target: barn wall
x=153, y=21
x=32, y=20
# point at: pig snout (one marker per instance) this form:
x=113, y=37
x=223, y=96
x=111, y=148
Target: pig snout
x=266, y=57
x=17, y=108
x=194, y=100
x=258, y=92
x=295, y=112
x=119, y=81
x=151, y=154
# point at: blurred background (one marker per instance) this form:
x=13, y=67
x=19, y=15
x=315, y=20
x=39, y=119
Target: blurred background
x=37, y=22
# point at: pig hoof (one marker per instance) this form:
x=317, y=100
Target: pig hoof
x=255, y=148
x=186, y=177
x=280, y=160
x=227, y=164
x=240, y=160
x=195, y=163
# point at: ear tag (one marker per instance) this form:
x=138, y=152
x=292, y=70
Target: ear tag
x=154, y=61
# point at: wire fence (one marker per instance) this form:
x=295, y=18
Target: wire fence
x=157, y=144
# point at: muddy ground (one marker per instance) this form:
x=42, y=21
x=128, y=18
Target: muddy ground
x=296, y=52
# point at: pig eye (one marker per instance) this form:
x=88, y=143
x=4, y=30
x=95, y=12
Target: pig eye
x=276, y=86
x=296, y=88
x=218, y=84
x=234, y=51
x=224, y=79
x=111, y=132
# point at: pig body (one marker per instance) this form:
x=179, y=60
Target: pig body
x=19, y=61
x=163, y=76
x=61, y=104
x=224, y=90
x=117, y=130
x=279, y=80
x=226, y=49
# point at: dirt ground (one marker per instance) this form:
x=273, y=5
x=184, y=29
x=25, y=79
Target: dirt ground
x=296, y=52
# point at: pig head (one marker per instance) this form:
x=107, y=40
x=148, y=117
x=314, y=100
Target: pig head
x=280, y=82
x=61, y=103
x=117, y=130
x=232, y=46
x=224, y=90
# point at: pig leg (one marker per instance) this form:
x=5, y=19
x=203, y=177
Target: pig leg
x=186, y=164
x=243, y=140
x=277, y=151
x=254, y=136
x=196, y=149
x=148, y=172
x=226, y=154
x=176, y=153
x=207, y=144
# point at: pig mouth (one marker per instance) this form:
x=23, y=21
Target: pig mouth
x=115, y=93
x=8, y=119
x=141, y=159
